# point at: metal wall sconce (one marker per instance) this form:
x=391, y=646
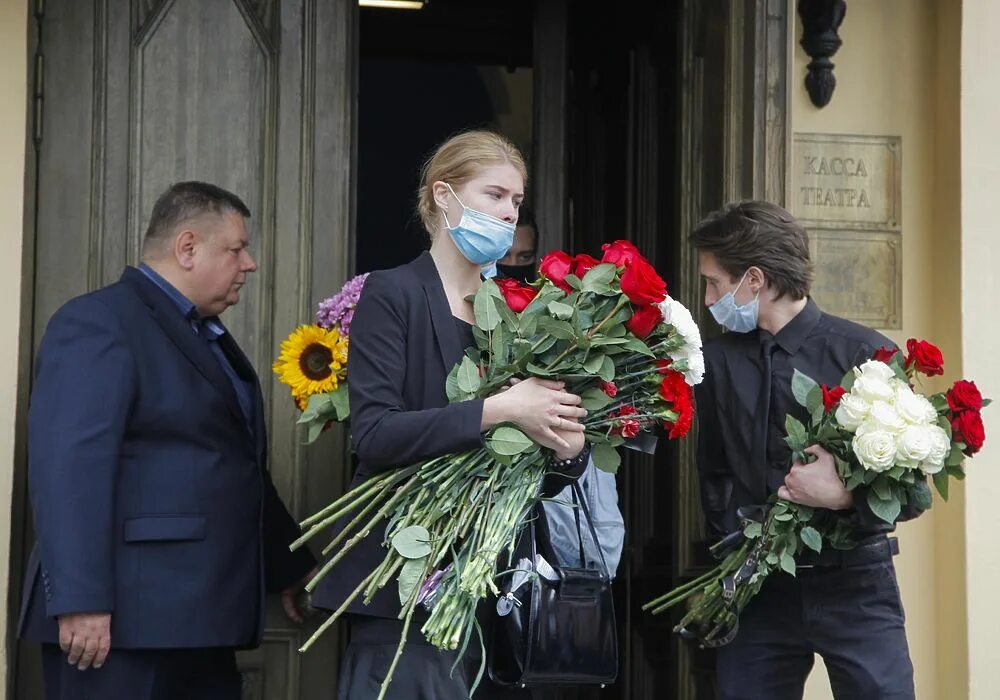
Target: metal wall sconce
x=820, y=21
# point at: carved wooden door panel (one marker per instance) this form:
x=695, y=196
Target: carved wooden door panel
x=254, y=95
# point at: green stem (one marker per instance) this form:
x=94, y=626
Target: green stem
x=337, y=613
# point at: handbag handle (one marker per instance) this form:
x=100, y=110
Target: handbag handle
x=578, y=495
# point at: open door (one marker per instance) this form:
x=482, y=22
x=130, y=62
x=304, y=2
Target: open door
x=257, y=96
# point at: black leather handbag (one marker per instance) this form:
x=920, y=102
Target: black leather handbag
x=556, y=623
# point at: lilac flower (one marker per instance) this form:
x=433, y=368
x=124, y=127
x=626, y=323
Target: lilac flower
x=338, y=310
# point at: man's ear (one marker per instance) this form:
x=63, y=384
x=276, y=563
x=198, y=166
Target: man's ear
x=184, y=248
x=756, y=279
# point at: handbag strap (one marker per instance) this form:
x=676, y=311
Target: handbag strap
x=578, y=494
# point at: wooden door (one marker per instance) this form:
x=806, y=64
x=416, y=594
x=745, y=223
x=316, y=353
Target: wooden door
x=256, y=96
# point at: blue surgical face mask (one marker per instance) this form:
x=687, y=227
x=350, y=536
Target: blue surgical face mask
x=739, y=319
x=481, y=238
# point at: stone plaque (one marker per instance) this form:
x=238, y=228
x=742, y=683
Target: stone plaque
x=859, y=275
x=847, y=182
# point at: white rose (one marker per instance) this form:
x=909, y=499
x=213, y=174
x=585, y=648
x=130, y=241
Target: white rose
x=913, y=407
x=876, y=370
x=852, y=411
x=876, y=450
x=940, y=447
x=872, y=388
x=913, y=446
x=887, y=417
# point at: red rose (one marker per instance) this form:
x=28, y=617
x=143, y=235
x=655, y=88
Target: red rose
x=965, y=396
x=517, y=295
x=621, y=253
x=644, y=320
x=555, y=266
x=924, y=357
x=831, y=397
x=642, y=285
x=609, y=388
x=884, y=354
x=967, y=427
x=582, y=264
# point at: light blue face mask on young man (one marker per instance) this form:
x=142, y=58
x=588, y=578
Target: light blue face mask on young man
x=738, y=319
x=481, y=238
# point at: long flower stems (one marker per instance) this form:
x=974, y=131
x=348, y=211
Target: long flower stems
x=337, y=613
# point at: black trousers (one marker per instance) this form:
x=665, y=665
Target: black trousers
x=423, y=672
x=172, y=674
x=852, y=617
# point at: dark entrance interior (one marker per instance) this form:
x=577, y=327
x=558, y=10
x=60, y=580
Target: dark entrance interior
x=460, y=64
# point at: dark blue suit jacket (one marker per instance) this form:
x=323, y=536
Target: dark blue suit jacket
x=150, y=490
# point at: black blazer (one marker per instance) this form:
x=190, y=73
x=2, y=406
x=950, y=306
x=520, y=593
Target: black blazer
x=404, y=341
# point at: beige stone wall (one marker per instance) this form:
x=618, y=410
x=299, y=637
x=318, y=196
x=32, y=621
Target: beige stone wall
x=897, y=74
x=13, y=109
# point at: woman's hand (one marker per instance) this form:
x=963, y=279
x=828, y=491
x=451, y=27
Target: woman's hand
x=539, y=407
x=576, y=441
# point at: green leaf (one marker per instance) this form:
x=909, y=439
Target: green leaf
x=941, y=484
x=451, y=385
x=811, y=538
x=413, y=542
x=753, y=530
x=498, y=348
x=955, y=457
x=592, y=365
x=636, y=345
x=606, y=458
x=598, y=279
x=507, y=440
x=607, y=370
x=562, y=311
x=572, y=280
x=340, y=402
x=314, y=431
x=881, y=488
x=468, y=377
x=886, y=509
x=508, y=316
x=796, y=432
x=556, y=328
x=411, y=577
x=594, y=399
x=921, y=494
x=848, y=381
x=939, y=402
x=802, y=385
x=787, y=563
x=487, y=315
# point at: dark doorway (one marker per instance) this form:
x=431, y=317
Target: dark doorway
x=458, y=64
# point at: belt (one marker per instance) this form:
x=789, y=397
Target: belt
x=875, y=549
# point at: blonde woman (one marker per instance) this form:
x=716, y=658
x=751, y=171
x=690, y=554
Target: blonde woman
x=411, y=327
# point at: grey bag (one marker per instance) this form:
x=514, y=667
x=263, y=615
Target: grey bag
x=601, y=491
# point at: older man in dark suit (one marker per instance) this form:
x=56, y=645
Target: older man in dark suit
x=159, y=529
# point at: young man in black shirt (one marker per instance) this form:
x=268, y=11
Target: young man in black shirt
x=842, y=605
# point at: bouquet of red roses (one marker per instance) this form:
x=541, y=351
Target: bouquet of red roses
x=608, y=329
x=886, y=438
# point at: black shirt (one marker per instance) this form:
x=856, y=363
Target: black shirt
x=742, y=456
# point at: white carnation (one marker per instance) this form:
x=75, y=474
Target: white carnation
x=940, y=447
x=914, y=407
x=876, y=450
x=887, y=417
x=852, y=411
x=677, y=315
x=913, y=446
x=691, y=363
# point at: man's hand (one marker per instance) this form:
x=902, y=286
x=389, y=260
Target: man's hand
x=86, y=638
x=289, y=595
x=816, y=484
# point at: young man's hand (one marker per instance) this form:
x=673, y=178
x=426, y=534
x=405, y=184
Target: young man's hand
x=816, y=484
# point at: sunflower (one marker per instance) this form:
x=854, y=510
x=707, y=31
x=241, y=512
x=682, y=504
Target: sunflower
x=311, y=362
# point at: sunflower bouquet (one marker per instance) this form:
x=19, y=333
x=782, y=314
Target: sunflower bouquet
x=608, y=330
x=886, y=438
x=313, y=361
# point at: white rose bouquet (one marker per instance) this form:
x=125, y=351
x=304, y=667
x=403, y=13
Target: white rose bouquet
x=886, y=438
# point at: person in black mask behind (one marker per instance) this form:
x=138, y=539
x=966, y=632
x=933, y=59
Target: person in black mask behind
x=521, y=261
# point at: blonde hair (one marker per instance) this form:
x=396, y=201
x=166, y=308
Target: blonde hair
x=458, y=160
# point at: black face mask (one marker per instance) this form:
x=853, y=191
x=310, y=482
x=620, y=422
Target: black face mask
x=521, y=273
